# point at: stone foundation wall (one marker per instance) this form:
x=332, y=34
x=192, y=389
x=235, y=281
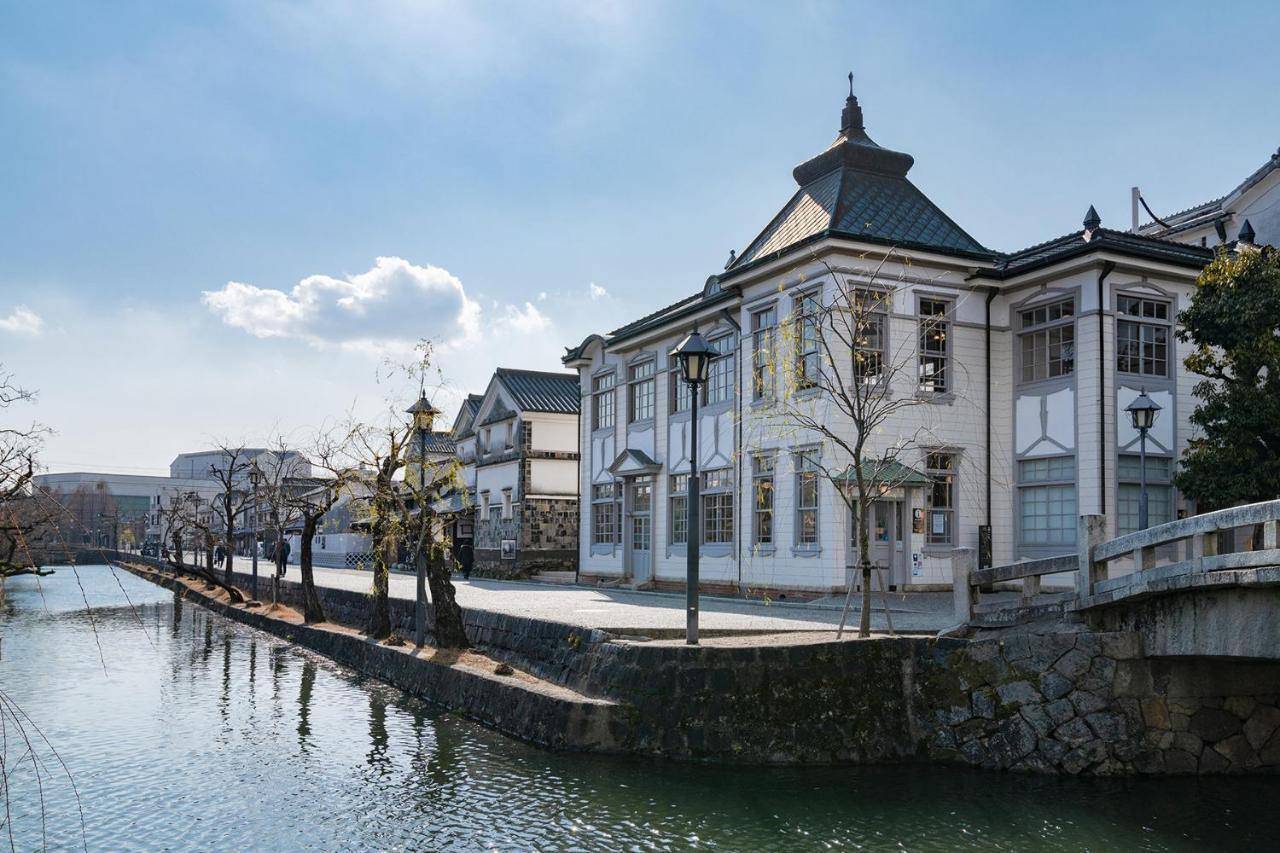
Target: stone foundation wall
x=545, y=531
x=1060, y=702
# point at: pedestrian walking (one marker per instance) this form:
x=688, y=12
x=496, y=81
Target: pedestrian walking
x=282, y=556
x=465, y=558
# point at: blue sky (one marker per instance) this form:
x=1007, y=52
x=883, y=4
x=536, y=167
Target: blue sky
x=528, y=172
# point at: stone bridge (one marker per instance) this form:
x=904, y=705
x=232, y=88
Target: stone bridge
x=1204, y=586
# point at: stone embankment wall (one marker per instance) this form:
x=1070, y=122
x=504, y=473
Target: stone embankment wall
x=1060, y=702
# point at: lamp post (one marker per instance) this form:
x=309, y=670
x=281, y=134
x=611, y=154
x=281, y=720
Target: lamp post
x=695, y=356
x=1142, y=412
x=254, y=479
x=423, y=417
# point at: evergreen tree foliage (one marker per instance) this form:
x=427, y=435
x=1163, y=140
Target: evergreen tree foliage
x=1233, y=323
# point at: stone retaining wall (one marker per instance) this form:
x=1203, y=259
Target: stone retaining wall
x=1059, y=702
x=505, y=704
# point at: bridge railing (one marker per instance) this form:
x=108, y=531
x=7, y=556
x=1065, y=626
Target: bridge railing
x=1208, y=544
x=1200, y=543
x=969, y=582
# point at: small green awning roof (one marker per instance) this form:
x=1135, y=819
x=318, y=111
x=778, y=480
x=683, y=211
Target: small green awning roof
x=888, y=473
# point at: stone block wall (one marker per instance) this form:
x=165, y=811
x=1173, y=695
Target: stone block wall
x=1066, y=702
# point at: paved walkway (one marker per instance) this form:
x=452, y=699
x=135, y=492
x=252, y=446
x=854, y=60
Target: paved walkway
x=632, y=612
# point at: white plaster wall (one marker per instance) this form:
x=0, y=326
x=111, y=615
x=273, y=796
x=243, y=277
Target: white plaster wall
x=553, y=477
x=553, y=432
x=495, y=478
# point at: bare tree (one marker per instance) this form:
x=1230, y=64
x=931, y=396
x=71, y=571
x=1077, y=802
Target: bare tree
x=401, y=514
x=381, y=450
x=841, y=385
x=24, y=517
x=233, y=498
x=311, y=505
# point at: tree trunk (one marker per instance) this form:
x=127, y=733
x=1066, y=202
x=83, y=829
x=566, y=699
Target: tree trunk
x=312, y=610
x=449, y=633
x=380, y=614
x=231, y=537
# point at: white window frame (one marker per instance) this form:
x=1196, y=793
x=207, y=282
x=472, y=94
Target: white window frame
x=934, y=370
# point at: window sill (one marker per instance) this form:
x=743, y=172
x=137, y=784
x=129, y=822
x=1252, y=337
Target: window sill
x=762, y=550
x=644, y=423
x=938, y=398
x=805, y=551
x=598, y=431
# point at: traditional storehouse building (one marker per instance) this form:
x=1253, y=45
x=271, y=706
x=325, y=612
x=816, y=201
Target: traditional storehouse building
x=518, y=447
x=1017, y=367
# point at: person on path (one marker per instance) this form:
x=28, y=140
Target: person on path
x=282, y=556
x=465, y=558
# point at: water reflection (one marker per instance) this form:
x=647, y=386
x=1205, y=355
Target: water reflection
x=173, y=751
x=305, y=685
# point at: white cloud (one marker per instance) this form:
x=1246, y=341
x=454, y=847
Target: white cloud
x=392, y=304
x=598, y=292
x=528, y=320
x=22, y=321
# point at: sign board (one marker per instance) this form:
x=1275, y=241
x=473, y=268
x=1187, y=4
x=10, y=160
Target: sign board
x=984, y=546
x=508, y=549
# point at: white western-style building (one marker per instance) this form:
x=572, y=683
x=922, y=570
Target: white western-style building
x=1021, y=364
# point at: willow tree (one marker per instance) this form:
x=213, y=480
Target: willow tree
x=840, y=388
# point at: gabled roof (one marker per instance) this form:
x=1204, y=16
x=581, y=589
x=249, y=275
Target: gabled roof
x=538, y=391
x=1098, y=239
x=1207, y=212
x=464, y=423
x=855, y=188
x=497, y=414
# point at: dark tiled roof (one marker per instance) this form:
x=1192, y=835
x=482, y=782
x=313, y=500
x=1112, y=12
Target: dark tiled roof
x=1102, y=239
x=437, y=442
x=856, y=188
x=536, y=391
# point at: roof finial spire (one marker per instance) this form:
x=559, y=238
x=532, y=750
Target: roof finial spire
x=1091, y=219
x=1246, y=235
x=851, y=117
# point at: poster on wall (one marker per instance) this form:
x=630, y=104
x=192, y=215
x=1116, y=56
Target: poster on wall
x=939, y=524
x=508, y=549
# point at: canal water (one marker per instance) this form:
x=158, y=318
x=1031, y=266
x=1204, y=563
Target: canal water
x=184, y=731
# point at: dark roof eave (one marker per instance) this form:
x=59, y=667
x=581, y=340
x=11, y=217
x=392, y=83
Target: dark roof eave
x=860, y=238
x=659, y=322
x=1192, y=257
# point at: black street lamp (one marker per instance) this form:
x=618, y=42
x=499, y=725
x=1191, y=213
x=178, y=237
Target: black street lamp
x=424, y=415
x=1142, y=412
x=695, y=357
x=254, y=478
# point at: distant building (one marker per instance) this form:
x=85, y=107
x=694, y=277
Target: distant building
x=1255, y=200
x=106, y=510
x=518, y=447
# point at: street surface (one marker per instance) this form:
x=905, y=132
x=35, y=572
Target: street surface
x=631, y=612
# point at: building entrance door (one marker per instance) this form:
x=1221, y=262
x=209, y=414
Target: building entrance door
x=640, y=530
x=887, y=540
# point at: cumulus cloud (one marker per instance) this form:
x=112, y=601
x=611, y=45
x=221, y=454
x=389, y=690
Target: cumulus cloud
x=395, y=302
x=598, y=292
x=22, y=321
x=527, y=320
